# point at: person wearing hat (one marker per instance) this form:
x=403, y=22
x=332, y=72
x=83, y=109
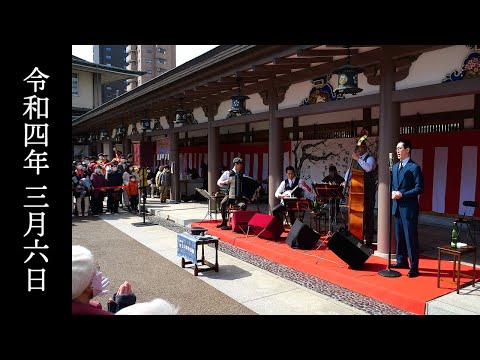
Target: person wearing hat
x=364, y=161
x=88, y=282
x=223, y=181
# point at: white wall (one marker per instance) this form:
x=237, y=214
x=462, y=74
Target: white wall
x=107, y=150
x=199, y=115
x=362, y=84
x=163, y=122
x=85, y=90
x=232, y=129
x=130, y=128
x=431, y=67
x=295, y=94
x=197, y=133
x=223, y=109
x=335, y=117
x=261, y=125
x=255, y=104
x=465, y=102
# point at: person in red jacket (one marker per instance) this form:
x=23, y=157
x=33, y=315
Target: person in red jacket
x=132, y=191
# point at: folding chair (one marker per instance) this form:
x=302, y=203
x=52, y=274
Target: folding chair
x=468, y=220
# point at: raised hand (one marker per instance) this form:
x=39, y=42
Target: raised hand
x=125, y=288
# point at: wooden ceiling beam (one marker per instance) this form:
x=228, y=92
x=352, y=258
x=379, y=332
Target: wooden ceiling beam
x=259, y=74
x=305, y=60
x=278, y=68
x=222, y=81
x=361, y=59
x=321, y=52
x=214, y=87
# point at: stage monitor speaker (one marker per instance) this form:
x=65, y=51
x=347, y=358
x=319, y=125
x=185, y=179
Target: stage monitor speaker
x=302, y=236
x=240, y=220
x=349, y=248
x=266, y=226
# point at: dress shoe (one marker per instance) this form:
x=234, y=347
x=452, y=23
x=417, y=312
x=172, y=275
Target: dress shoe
x=223, y=223
x=413, y=273
x=399, y=266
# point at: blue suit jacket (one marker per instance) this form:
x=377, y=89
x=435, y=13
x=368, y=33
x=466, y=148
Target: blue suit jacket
x=410, y=183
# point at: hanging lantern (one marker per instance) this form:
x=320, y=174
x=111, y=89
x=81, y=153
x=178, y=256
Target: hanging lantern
x=103, y=134
x=238, y=104
x=145, y=123
x=92, y=137
x=348, y=78
x=157, y=125
x=120, y=133
x=184, y=116
x=181, y=116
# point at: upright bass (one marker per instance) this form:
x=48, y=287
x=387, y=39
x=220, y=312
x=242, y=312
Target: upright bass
x=355, y=189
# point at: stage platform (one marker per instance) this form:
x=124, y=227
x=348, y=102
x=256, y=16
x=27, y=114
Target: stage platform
x=410, y=294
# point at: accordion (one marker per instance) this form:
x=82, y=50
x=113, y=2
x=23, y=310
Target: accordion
x=242, y=187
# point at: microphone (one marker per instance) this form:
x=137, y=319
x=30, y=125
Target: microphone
x=390, y=160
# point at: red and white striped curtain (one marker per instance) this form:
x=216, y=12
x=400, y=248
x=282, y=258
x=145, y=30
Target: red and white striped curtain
x=451, y=169
x=255, y=157
x=450, y=163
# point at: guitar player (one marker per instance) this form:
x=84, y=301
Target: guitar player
x=290, y=187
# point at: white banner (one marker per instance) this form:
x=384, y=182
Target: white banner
x=440, y=179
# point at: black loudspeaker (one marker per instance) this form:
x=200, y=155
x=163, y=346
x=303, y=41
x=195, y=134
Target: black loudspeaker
x=302, y=236
x=349, y=248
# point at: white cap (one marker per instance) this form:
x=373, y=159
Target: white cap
x=83, y=266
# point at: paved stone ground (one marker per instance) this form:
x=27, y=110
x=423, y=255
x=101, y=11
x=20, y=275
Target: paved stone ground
x=354, y=299
x=121, y=258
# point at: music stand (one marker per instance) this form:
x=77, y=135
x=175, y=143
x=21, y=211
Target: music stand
x=216, y=200
x=330, y=192
x=296, y=204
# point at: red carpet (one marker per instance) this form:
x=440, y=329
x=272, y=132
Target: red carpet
x=410, y=294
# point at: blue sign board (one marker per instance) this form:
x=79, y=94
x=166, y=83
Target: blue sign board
x=187, y=247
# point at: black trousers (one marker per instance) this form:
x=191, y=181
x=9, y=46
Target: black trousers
x=224, y=207
x=280, y=209
x=97, y=204
x=112, y=201
x=133, y=202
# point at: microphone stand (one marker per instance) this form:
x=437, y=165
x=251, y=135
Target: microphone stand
x=389, y=272
x=144, y=196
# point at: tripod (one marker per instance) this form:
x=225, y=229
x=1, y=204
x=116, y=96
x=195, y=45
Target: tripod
x=332, y=193
x=389, y=272
x=332, y=211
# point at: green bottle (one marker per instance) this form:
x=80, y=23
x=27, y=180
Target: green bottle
x=453, y=243
x=315, y=205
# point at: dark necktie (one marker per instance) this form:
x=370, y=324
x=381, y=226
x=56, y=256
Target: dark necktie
x=400, y=166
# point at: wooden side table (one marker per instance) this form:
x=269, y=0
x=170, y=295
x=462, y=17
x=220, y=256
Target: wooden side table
x=457, y=256
x=187, y=248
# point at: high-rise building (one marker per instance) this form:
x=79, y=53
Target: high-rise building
x=111, y=55
x=153, y=59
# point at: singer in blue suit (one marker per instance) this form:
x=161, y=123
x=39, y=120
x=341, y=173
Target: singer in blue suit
x=407, y=184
